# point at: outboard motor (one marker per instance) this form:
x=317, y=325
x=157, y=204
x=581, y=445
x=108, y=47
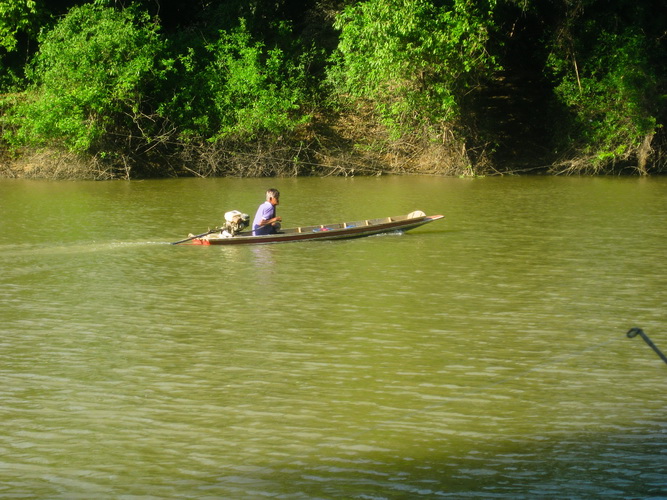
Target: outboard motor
x=235, y=222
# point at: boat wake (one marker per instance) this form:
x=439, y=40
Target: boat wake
x=23, y=249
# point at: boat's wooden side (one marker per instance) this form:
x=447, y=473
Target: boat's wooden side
x=355, y=229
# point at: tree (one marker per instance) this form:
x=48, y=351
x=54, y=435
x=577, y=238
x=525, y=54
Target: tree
x=412, y=58
x=605, y=72
x=88, y=79
x=18, y=19
x=237, y=88
x=15, y=16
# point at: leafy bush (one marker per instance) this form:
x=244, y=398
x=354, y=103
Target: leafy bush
x=254, y=89
x=88, y=78
x=611, y=88
x=411, y=59
x=237, y=88
x=15, y=16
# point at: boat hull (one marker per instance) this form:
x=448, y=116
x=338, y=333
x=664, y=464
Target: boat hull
x=345, y=230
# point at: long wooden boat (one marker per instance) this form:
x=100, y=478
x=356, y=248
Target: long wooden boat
x=342, y=230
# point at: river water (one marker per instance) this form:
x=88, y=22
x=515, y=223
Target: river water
x=481, y=356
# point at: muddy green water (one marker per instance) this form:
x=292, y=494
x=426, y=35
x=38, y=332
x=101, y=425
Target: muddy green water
x=483, y=356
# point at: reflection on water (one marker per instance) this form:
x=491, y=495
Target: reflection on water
x=263, y=257
x=483, y=356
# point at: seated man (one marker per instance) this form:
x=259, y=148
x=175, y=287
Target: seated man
x=266, y=221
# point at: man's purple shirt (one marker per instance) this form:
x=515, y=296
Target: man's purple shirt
x=265, y=211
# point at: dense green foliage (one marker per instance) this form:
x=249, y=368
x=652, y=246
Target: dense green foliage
x=238, y=88
x=412, y=59
x=89, y=77
x=15, y=16
x=164, y=86
x=607, y=73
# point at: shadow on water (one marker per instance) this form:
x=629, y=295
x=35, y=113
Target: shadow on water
x=524, y=467
x=489, y=459
x=471, y=451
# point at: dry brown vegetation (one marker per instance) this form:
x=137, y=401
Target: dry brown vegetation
x=338, y=145
x=341, y=144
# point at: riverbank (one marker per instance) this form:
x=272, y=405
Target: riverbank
x=335, y=148
x=504, y=133
x=55, y=165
